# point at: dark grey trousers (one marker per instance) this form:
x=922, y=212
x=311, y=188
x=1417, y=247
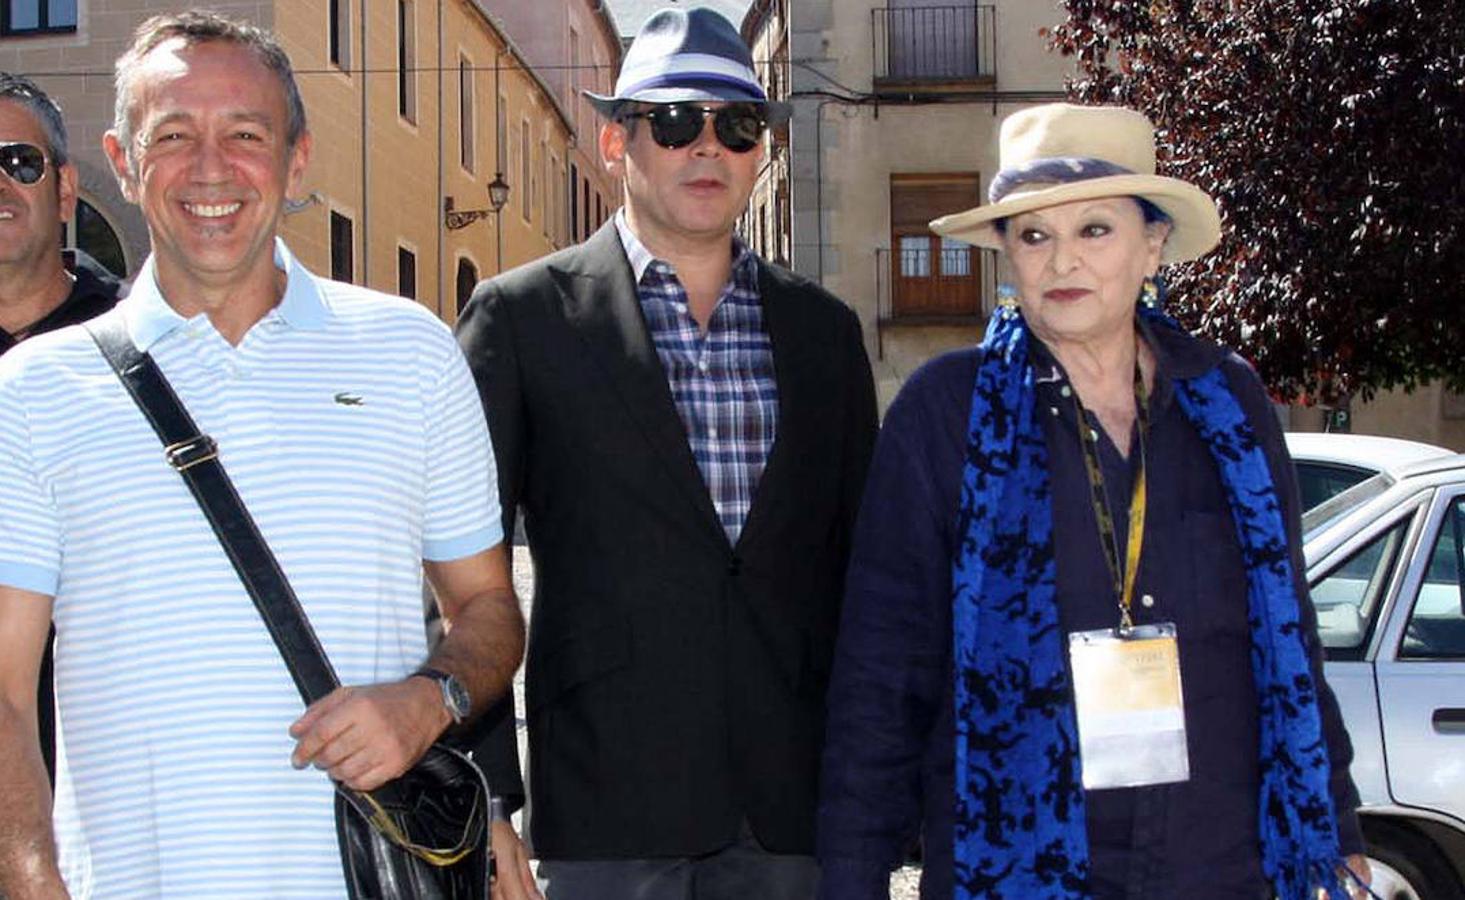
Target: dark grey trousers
x=741, y=871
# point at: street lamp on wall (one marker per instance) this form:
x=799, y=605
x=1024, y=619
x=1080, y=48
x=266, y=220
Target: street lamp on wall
x=498, y=196
x=498, y=192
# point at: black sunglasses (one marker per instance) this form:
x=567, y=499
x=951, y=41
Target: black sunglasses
x=738, y=126
x=26, y=163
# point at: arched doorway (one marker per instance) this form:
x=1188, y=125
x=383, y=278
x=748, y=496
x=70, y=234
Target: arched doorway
x=467, y=280
x=90, y=232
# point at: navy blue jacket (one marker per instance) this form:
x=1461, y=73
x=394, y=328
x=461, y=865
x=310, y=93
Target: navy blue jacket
x=888, y=764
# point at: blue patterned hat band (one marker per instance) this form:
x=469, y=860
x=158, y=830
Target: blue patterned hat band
x=1053, y=170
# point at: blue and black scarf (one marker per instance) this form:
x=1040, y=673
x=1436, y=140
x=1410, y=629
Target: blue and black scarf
x=1020, y=829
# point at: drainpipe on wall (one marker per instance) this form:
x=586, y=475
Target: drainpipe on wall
x=819, y=183
x=501, y=157
x=437, y=225
x=365, y=156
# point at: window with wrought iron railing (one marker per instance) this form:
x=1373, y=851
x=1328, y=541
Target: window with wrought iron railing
x=915, y=41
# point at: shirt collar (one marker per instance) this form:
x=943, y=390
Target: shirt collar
x=150, y=318
x=641, y=258
x=1177, y=353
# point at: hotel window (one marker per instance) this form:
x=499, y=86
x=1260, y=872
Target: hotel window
x=552, y=179
x=547, y=213
x=338, y=27
x=467, y=122
x=37, y=16
x=406, y=61
x=931, y=275
x=343, y=267
x=574, y=206
x=585, y=207
x=526, y=171
x=406, y=273
x=572, y=80
x=467, y=280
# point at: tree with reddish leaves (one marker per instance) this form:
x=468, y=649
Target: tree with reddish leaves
x=1332, y=134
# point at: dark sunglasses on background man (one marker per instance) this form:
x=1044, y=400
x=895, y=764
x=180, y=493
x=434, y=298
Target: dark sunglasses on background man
x=25, y=163
x=739, y=126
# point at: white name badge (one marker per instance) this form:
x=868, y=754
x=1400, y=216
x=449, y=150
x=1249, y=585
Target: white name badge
x=1131, y=723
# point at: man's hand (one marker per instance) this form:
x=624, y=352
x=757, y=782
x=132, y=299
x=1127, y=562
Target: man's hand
x=515, y=880
x=366, y=736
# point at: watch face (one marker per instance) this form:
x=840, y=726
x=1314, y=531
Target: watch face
x=456, y=697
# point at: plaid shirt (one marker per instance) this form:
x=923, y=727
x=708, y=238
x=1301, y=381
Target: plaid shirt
x=722, y=382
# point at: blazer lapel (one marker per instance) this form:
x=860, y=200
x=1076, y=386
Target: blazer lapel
x=794, y=348
x=599, y=294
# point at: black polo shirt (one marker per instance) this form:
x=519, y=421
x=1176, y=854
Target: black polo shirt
x=95, y=291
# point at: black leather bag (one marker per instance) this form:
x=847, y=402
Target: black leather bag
x=422, y=836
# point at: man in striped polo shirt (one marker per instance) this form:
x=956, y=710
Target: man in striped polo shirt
x=347, y=421
x=686, y=429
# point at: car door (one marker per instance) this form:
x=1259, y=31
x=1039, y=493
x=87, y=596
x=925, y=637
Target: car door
x=1351, y=586
x=1420, y=666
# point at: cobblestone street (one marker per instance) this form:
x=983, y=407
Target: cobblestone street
x=903, y=885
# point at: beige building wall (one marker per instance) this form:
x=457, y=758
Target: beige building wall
x=765, y=225
x=575, y=47
x=392, y=175
x=848, y=142
x=1430, y=414
x=387, y=173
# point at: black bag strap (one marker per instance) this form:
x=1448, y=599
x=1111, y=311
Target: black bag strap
x=195, y=456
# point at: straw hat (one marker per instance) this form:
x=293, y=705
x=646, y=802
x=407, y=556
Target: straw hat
x=681, y=55
x=1059, y=152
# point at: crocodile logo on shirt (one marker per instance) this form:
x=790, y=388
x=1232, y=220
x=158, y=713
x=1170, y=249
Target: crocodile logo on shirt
x=346, y=398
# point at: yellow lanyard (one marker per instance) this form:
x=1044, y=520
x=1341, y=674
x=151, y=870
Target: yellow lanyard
x=1089, y=439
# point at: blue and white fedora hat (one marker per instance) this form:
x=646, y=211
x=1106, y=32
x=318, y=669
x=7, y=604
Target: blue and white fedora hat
x=687, y=54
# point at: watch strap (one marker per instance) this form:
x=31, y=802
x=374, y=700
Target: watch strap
x=444, y=679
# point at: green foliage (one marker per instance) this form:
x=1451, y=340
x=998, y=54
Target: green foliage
x=1332, y=133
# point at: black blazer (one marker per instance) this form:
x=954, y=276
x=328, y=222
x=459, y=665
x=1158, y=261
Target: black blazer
x=675, y=682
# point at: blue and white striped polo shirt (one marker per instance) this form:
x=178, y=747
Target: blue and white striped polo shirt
x=352, y=429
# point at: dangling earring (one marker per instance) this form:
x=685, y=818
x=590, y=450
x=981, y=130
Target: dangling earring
x=1149, y=293
x=1006, y=301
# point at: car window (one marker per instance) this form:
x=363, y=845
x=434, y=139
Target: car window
x=1318, y=516
x=1436, y=628
x=1317, y=481
x=1347, y=597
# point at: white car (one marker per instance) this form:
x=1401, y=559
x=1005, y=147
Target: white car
x=1330, y=463
x=1386, y=566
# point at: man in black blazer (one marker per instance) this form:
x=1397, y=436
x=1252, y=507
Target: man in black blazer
x=686, y=430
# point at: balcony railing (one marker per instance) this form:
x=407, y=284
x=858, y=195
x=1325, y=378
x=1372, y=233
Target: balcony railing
x=930, y=45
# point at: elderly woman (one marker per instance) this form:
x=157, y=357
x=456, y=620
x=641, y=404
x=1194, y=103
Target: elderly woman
x=1077, y=653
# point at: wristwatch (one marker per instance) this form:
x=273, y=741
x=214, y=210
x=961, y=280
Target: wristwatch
x=455, y=695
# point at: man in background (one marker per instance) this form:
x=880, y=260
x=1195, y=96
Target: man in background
x=42, y=287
